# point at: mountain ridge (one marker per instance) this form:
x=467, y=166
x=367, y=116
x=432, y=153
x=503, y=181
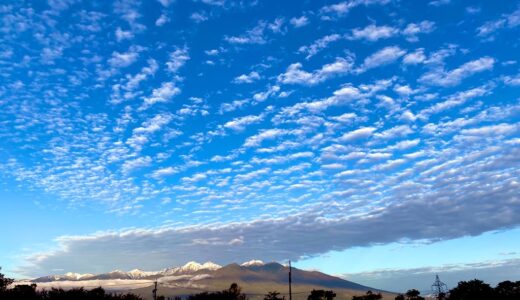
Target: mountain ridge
x=252, y=271
x=254, y=276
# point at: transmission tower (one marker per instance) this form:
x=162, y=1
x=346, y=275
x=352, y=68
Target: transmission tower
x=439, y=288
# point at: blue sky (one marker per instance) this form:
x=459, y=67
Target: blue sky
x=371, y=139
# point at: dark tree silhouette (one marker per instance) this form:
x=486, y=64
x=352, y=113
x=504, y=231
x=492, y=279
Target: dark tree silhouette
x=4, y=282
x=233, y=293
x=321, y=295
x=368, y=296
x=508, y=290
x=472, y=290
x=274, y=295
x=26, y=292
x=413, y=295
x=29, y=292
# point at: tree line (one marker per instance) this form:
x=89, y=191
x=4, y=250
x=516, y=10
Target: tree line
x=465, y=290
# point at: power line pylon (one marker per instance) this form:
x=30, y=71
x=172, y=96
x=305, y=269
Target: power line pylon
x=439, y=288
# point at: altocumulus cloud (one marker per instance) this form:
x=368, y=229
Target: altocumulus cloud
x=439, y=205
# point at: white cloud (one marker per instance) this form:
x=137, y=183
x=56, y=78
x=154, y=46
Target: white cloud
x=162, y=94
x=342, y=8
x=214, y=2
x=163, y=172
x=262, y=96
x=127, y=249
x=166, y=3
x=441, y=77
x=163, y=19
x=121, y=60
x=247, y=78
x=239, y=124
x=125, y=91
x=295, y=75
x=140, y=162
x=212, y=52
x=318, y=45
x=232, y=106
x=134, y=81
x=413, y=29
x=299, y=22
x=455, y=100
x=154, y=124
x=177, y=59
x=512, y=80
x=382, y=57
x=257, y=35
x=397, y=131
x=123, y=34
x=439, y=2
x=507, y=20
x=198, y=17
x=268, y=134
x=414, y=58
x=194, y=178
x=359, y=133
x=48, y=55
x=373, y=33
x=407, y=115
x=494, y=130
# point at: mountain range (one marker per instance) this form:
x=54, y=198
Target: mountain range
x=255, y=277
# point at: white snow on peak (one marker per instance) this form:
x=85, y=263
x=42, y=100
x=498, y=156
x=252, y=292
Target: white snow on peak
x=76, y=276
x=192, y=267
x=253, y=262
x=210, y=266
x=137, y=273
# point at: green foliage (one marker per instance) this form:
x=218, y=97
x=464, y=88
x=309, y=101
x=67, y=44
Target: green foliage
x=508, y=290
x=274, y=295
x=29, y=292
x=368, y=296
x=473, y=289
x=413, y=295
x=4, y=282
x=233, y=293
x=479, y=290
x=321, y=295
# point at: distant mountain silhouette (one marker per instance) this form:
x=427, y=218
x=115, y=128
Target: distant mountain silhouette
x=255, y=277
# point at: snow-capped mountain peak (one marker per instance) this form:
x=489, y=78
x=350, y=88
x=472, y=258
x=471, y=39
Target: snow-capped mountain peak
x=77, y=276
x=191, y=267
x=137, y=273
x=210, y=266
x=253, y=262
